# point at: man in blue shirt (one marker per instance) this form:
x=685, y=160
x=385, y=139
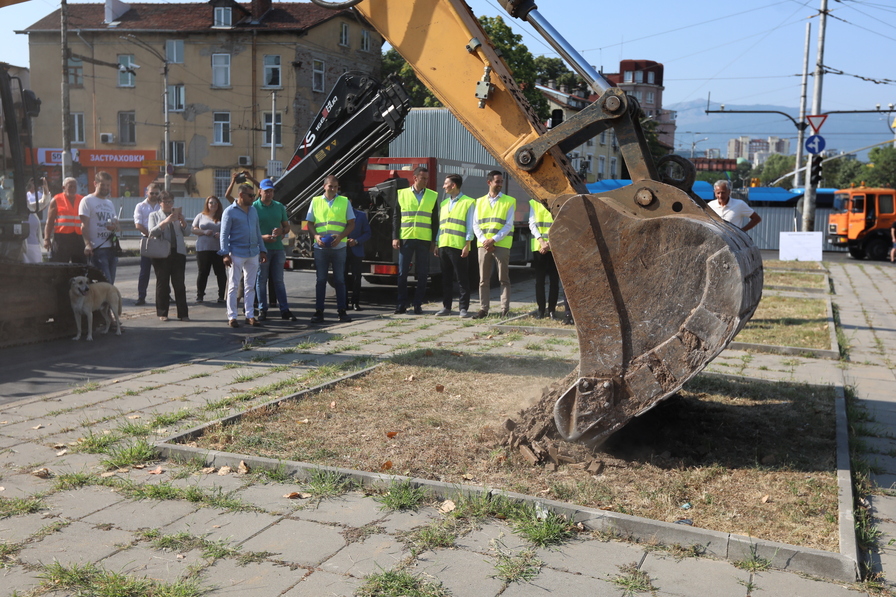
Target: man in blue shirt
x=243, y=249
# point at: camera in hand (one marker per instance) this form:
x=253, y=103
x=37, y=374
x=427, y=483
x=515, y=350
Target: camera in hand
x=241, y=178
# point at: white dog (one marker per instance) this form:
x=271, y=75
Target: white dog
x=87, y=297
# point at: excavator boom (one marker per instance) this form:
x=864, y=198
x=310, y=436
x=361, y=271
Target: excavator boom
x=658, y=284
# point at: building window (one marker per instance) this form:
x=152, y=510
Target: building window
x=601, y=165
x=271, y=71
x=75, y=72
x=589, y=159
x=177, y=150
x=125, y=78
x=615, y=142
x=612, y=167
x=77, y=127
x=639, y=76
x=651, y=77
x=318, y=80
x=589, y=142
x=223, y=16
x=635, y=94
x=221, y=181
x=343, y=34
x=651, y=97
x=127, y=127
x=176, y=98
x=222, y=128
x=627, y=76
x=603, y=137
x=365, y=40
x=220, y=70
x=278, y=132
x=174, y=51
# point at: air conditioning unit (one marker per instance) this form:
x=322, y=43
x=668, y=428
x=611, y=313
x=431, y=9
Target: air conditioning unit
x=107, y=138
x=245, y=160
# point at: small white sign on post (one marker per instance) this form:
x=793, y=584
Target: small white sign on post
x=800, y=246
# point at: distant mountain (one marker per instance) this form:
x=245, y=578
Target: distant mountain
x=841, y=132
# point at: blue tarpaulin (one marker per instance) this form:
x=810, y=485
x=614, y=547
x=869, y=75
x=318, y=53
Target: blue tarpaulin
x=771, y=194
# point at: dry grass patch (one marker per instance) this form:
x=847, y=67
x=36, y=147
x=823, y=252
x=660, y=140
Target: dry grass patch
x=789, y=321
x=794, y=279
x=753, y=458
x=793, y=265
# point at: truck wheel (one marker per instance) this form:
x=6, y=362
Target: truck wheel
x=856, y=253
x=877, y=249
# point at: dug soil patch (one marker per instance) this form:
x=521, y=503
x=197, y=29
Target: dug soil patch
x=747, y=457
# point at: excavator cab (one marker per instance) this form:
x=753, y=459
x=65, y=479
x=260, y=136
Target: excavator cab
x=658, y=284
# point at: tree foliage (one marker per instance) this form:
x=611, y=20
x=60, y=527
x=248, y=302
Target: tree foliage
x=882, y=171
x=776, y=166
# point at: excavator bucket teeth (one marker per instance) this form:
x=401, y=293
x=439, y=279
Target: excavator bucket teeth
x=658, y=288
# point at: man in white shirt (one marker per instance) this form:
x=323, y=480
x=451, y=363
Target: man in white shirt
x=141, y=221
x=99, y=223
x=734, y=211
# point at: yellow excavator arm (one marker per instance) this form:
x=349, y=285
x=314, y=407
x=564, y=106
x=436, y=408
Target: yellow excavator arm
x=658, y=284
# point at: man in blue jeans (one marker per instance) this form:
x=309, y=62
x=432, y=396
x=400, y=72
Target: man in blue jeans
x=414, y=231
x=141, y=222
x=331, y=219
x=274, y=226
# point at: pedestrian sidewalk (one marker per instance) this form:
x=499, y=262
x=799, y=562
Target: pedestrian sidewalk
x=68, y=515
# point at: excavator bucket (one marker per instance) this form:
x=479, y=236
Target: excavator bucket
x=657, y=290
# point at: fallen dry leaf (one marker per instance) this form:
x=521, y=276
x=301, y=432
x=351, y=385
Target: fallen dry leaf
x=2, y=488
x=297, y=495
x=490, y=336
x=765, y=499
x=409, y=378
x=468, y=477
x=440, y=387
x=139, y=466
x=209, y=470
x=243, y=468
x=157, y=471
x=107, y=431
x=41, y=473
x=62, y=452
x=333, y=404
x=303, y=421
x=58, y=446
x=162, y=430
x=108, y=474
x=428, y=353
x=391, y=434
x=224, y=470
x=457, y=354
x=38, y=427
x=133, y=416
x=447, y=506
x=123, y=470
x=386, y=465
x=180, y=556
x=3, y=422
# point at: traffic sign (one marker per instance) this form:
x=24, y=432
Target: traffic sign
x=815, y=144
x=816, y=121
x=153, y=163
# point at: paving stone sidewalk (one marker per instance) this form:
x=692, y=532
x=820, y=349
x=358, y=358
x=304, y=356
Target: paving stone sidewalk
x=271, y=546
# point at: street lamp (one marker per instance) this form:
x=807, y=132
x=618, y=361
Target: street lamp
x=694, y=145
x=139, y=42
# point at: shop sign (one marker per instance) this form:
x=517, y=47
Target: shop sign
x=110, y=158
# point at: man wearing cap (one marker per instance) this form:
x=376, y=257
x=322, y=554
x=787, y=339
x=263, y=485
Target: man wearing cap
x=274, y=226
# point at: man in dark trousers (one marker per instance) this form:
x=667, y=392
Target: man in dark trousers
x=413, y=234
x=454, y=239
x=359, y=235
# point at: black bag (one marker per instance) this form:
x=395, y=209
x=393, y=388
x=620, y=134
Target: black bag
x=116, y=246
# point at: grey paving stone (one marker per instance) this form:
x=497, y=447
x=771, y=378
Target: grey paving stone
x=131, y=515
x=27, y=454
x=598, y=559
x=270, y=497
x=17, y=579
x=214, y=524
x=227, y=483
x=78, y=542
x=351, y=509
x=8, y=441
x=887, y=464
x=883, y=507
x=145, y=562
x=77, y=503
x=20, y=485
x=884, y=481
x=881, y=445
x=324, y=584
x=396, y=522
x=694, y=577
x=16, y=529
x=298, y=541
x=483, y=539
x=462, y=573
x=376, y=552
x=256, y=580
x=552, y=582
x=784, y=583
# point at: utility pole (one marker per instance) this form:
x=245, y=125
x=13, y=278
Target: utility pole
x=800, y=137
x=809, y=202
x=66, y=105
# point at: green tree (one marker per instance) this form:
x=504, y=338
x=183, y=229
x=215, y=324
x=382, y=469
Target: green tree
x=395, y=65
x=555, y=69
x=776, y=166
x=882, y=170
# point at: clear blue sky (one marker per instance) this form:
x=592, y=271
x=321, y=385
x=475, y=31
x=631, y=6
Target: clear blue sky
x=749, y=52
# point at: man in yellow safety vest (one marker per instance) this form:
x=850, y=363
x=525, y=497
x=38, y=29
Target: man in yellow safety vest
x=331, y=218
x=540, y=220
x=454, y=238
x=413, y=234
x=493, y=226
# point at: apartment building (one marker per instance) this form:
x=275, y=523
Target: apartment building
x=643, y=80
x=244, y=81
x=757, y=150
